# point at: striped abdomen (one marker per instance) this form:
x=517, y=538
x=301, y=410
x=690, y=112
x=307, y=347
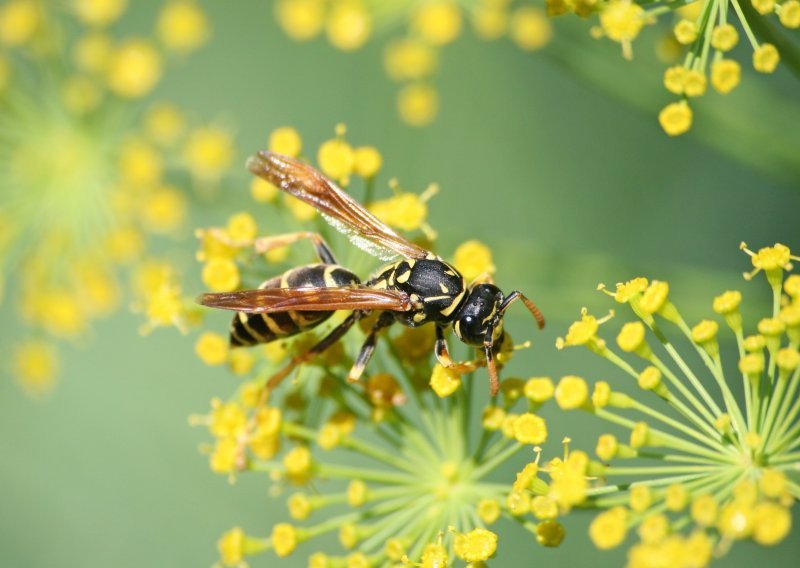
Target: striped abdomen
x=251, y=329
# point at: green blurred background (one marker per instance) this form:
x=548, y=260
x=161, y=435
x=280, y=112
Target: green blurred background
x=555, y=160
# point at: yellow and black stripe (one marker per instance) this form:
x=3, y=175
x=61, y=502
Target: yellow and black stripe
x=252, y=329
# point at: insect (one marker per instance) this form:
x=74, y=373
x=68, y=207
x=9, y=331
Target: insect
x=415, y=288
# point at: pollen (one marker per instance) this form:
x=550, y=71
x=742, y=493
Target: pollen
x=583, y=331
x=477, y=545
x=134, y=69
x=675, y=118
x=182, y=26
x=530, y=28
x=766, y=58
x=212, y=348
x=438, y=22
x=571, y=392
x=472, y=259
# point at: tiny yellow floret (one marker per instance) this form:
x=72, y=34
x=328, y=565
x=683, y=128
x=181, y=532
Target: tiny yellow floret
x=766, y=58
x=571, y=392
x=475, y=546
x=676, y=118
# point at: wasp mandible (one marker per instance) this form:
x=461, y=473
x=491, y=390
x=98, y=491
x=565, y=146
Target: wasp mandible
x=416, y=289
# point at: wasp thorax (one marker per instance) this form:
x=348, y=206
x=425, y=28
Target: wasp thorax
x=478, y=314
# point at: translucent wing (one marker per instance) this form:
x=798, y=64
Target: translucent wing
x=342, y=211
x=266, y=300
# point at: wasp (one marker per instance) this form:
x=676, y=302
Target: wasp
x=416, y=288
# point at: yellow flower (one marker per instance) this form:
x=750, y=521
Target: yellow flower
x=763, y=7
x=221, y=275
x=622, y=20
x=92, y=51
x=539, y=389
x=530, y=29
x=608, y=529
x=208, y=153
x=134, y=69
x=488, y=510
x=438, y=22
x=789, y=15
x=242, y=227
x=694, y=83
x=571, y=392
x=19, y=21
x=182, y=26
x=473, y=258
x=475, y=546
x=725, y=75
x=300, y=19
x=263, y=191
x=444, y=382
x=676, y=118
x=530, y=429
x=349, y=25
x=766, y=58
x=164, y=210
x=285, y=140
x=418, y=104
x=771, y=523
x=284, y=539
x=704, y=510
x=99, y=12
x=607, y=446
x=231, y=547
x=676, y=497
x=674, y=79
x=336, y=159
x=212, y=348
x=140, y=164
x=724, y=37
x=686, y=31
x=409, y=59
x=164, y=124
x=36, y=366
x=368, y=161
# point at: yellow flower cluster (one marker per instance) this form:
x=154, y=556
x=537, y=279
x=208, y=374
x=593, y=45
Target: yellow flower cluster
x=423, y=491
x=430, y=25
x=86, y=167
x=706, y=28
x=727, y=471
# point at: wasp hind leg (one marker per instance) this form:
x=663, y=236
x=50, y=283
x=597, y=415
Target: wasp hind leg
x=333, y=336
x=368, y=348
x=262, y=245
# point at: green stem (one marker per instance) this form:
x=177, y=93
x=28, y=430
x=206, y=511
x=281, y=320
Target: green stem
x=486, y=467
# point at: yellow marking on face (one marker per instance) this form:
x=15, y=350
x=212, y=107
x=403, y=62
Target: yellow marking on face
x=443, y=288
x=449, y=272
x=453, y=305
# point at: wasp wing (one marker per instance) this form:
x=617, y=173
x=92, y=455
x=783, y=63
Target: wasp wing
x=267, y=300
x=342, y=211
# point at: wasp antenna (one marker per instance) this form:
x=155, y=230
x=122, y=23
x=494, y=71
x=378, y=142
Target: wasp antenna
x=517, y=295
x=494, y=380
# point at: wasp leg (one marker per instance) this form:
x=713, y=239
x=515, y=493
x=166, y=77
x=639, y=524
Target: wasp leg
x=265, y=244
x=335, y=334
x=443, y=355
x=517, y=295
x=385, y=320
x=488, y=344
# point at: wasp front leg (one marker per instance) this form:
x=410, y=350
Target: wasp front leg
x=443, y=355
